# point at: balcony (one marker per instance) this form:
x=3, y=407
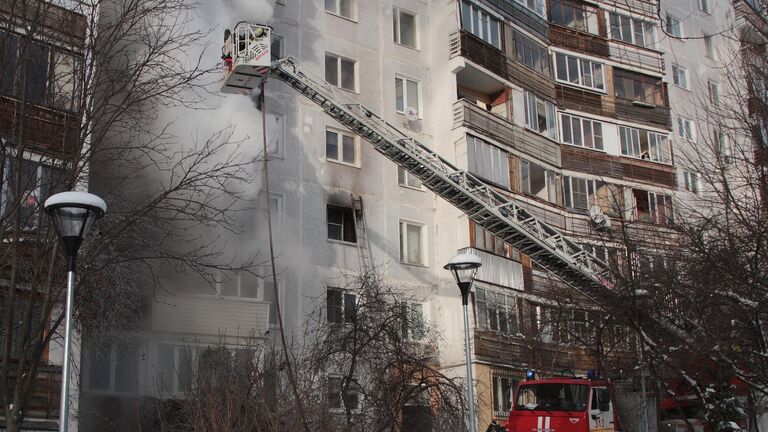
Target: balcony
x=577, y=41
x=474, y=49
x=210, y=316
x=473, y=117
x=45, y=129
x=42, y=408
x=641, y=7
x=64, y=25
x=601, y=164
x=522, y=16
x=639, y=57
x=609, y=106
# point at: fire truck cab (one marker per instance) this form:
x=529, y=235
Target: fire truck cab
x=562, y=405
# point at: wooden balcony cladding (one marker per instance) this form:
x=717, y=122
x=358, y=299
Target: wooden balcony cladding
x=473, y=117
x=497, y=348
x=522, y=16
x=609, y=106
x=55, y=21
x=45, y=129
x=601, y=164
x=43, y=402
x=642, y=7
x=633, y=55
x=474, y=49
x=578, y=41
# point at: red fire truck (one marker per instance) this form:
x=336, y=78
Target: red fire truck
x=563, y=405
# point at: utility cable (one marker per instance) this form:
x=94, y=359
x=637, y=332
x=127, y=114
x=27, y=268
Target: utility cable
x=278, y=309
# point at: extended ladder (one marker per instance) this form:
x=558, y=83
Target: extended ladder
x=545, y=245
x=361, y=231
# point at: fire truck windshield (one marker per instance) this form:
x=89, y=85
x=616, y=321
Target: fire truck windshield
x=552, y=397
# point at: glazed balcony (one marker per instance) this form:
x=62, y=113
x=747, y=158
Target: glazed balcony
x=577, y=41
x=610, y=106
x=632, y=55
x=66, y=26
x=522, y=16
x=45, y=129
x=611, y=166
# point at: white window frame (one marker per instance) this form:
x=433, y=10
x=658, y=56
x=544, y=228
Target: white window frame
x=659, y=149
x=653, y=207
x=724, y=152
x=339, y=79
x=531, y=115
x=498, y=377
x=567, y=123
x=649, y=38
x=403, y=225
x=581, y=65
x=404, y=83
x=113, y=372
x=482, y=299
x=337, y=9
x=276, y=138
x=410, y=330
x=535, y=6
x=498, y=163
x=396, y=17
x=486, y=34
x=680, y=76
x=589, y=184
x=408, y=180
x=713, y=92
x=709, y=45
x=705, y=6
x=550, y=181
x=340, y=147
x=344, y=294
x=672, y=22
x=685, y=128
x=691, y=179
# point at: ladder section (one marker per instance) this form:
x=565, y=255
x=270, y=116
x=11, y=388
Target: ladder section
x=361, y=230
x=542, y=243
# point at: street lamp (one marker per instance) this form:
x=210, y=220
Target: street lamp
x=72, y=214
x=463, y=268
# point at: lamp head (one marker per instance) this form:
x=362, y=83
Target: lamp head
x=72, y=214
x=463, y=267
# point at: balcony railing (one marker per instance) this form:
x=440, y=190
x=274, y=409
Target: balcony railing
x=43, y=402
x=474, y=49
x=633, y=55
x=605, y=165
x=522, y=16
x=45, y=129
x=578, y=41
x=67, y=26
x=471, y=116
x=609, y=106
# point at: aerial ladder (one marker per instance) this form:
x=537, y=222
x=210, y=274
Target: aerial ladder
x=247, y=56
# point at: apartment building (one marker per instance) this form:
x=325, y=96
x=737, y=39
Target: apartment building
x=574, y=109
x=42, y=45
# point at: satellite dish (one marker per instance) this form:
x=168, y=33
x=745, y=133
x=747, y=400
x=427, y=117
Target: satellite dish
x=411, y=113
x=600, y=219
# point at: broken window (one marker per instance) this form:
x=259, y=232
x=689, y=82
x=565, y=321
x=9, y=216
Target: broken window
x=341, y=224
x=652, y=207
x=340, y=306
x=539, y=181
x=540, y=115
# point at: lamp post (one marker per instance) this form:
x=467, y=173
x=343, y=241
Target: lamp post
x=463, y=268
x=72, y=214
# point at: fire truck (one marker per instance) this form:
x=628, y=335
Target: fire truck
x=563, y=404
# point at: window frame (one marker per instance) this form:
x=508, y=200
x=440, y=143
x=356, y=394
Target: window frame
x=709, y=45
x=647, y=29
x=482, y=299
x=113, y=369
x=342, y=225
x=704, y=6
x=713, y=92
x=680, y=76
x=396, y=19
x=674, y=26
x=563, y=6
x=354, y=385
x=531, y=107
x=403, y=225
x=404, y=83
x=662, y=154
x=653, y=214
x=340, y=134
x=404, y=180
x=550, y=181
x=409, y=331
x=581, y=121
x=528, y=50
x=279, y=151
x=337, y=9
x=691, y=179
x=480, y=34
x=345, y=316
x=581, y=63
x=685, y=128
x=478, y=166
x=499, y=377
x=339, y=69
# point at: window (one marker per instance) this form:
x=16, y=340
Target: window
x=709, y=46
x=574, y=70
x=413, y=321
x=539, y=181
x=674, y=26
x=175, y=364
x=341, y=147
x=723, y=148
x=583, y=194
x=496, y=311
x=680, y=76
x=19, y=321
x=113, y=367
x=503, y=388
x=536, y=6
x=238, y=285
x=540, y=115
x=276, y=48
x=713, y=90
x=406, y=179
x=338, y=399
x=631, y=30
x=340, y=306
x=582, y=132
x=36, y=183
x=412, y=243
x=644, y=144
x=704, y=6
x=343, y=8
x=568, y=14
x=691, y=181
x=531, y=54
x=275, y=135
x=684, y=128
x=407, y=95
x=608, y=255
x=64, y=82
x=480, y=23
x=341, y=72
x=341, y=224
x=404, y=26
x=652, y=207
x=638, y=87
x=487, y=161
